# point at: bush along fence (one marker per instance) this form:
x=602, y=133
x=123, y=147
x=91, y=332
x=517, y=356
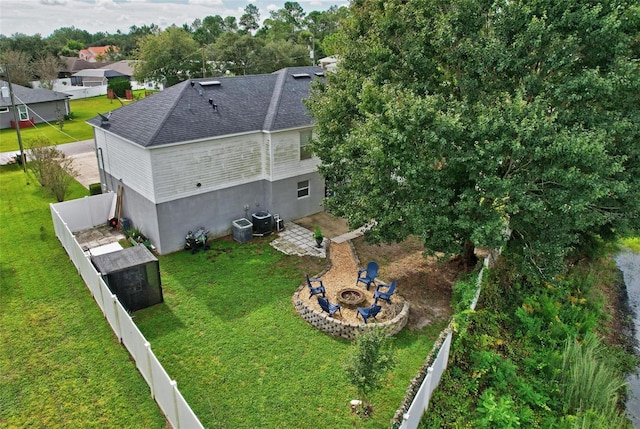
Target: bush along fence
x=78, y=215
x=426, y=381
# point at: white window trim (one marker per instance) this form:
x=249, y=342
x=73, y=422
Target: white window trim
x=303, y=188
x=23, y=112
x=303, y=146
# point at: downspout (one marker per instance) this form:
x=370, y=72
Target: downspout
x=103, y=179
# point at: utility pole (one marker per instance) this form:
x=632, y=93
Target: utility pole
x=204, y=68
x=313, y=47
x=23, y=160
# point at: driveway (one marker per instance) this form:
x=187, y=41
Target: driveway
x=84, y=160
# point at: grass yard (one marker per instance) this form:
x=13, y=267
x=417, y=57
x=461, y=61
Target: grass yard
x=60, y=364
x=227, y=332
x=73, y=130
x=243, y=358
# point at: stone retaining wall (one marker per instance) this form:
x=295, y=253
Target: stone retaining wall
x=339, y=328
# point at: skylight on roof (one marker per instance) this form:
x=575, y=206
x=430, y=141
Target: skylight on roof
x=301, y=75
x=210, y=83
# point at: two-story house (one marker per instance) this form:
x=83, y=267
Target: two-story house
x=208, y=151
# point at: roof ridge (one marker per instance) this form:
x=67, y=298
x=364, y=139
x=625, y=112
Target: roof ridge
x=272, y=110
x=170, y=109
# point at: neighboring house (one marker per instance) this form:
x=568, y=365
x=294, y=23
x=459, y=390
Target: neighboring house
x=33, y=106
x=126, y=67
x=72, y=65
x=206, y=152
x=97, y=53
x=96, y=77
x=123, y=66
x=328, y=63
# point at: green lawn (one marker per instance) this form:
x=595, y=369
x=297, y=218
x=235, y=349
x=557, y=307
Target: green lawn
x=73, y=130
x=60, y=364
x=242, y=356
x=227, y=332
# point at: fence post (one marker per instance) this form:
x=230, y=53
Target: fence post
x=147, y=347
x=428, y=391
x=174, y=385
x=116, y=323
x=405, y=420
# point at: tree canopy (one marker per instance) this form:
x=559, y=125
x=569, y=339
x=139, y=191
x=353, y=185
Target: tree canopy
x=167, y=57
x=485, y=123
x=284, y=40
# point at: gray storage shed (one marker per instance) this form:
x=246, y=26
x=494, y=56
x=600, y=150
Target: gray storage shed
x=133, y=275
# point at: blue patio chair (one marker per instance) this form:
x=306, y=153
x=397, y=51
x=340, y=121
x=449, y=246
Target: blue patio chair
x=317, y=290
x=369, y=312
x=370, y=274
x=379, y=294
x=329, y=307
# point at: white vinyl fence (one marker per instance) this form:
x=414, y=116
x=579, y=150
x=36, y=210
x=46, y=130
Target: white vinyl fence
x=411, y=417
x=77, y=215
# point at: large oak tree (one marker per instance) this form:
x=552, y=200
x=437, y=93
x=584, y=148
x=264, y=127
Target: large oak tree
x=170, y=56
x=487, y=123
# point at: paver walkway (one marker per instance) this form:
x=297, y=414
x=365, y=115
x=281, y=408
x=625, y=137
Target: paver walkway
x=297, y=240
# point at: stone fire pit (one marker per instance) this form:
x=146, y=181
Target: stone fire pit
x=350, y=297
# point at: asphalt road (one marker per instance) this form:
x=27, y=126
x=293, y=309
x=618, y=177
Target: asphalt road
x=84, y=160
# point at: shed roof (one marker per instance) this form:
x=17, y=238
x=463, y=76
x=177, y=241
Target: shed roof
x=212, y=107
x=123, y=259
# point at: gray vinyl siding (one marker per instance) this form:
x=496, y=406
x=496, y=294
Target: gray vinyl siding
x=167, y=224
x=40, y=112
x=216, y=210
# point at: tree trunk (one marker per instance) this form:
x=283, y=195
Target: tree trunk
x=468, y=256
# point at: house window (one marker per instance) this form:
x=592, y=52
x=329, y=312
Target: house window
x=22, y=111
x=4, y=109
x=305, y=139
x=303, y=189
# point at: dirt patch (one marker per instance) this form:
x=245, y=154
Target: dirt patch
x=330, y=226
x=424, y=282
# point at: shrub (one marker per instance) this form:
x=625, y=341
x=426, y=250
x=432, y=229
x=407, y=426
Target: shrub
x=53, y=169
x=119, y=86
x=95, y=189
x=463, y=294
x=497, y=412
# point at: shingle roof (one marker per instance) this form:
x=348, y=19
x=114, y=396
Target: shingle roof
x=73, y=64
x=104, y=72
x=24, y=95
x=123, y=66
x=184, y=113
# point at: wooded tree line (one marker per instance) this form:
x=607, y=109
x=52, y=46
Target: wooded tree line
x=211, y=46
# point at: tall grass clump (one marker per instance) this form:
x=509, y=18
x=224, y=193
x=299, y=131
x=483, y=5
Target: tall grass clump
x=589, y=388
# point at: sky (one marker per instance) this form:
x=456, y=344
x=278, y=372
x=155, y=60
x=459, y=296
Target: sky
x=42, y=17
